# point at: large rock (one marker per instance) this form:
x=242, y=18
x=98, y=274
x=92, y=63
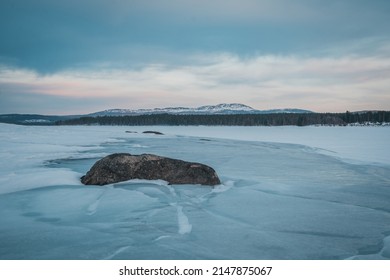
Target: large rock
x=122, y=167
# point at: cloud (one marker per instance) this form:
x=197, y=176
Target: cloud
x=320, y=55
x=50, y=36
x=269, y=81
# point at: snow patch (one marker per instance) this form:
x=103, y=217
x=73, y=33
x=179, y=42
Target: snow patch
x=184, y=225
x=223, y=187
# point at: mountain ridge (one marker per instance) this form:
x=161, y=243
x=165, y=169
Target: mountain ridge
x=220, y=109
x=220, y=114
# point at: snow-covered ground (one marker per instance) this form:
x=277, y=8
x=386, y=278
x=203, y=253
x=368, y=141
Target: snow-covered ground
x=286, y=193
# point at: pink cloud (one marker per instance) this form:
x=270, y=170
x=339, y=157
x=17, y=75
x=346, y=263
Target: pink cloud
x=321, y=84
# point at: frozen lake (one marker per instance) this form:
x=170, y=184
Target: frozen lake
x=286, y=193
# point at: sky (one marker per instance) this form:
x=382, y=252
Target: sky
x=82, y=56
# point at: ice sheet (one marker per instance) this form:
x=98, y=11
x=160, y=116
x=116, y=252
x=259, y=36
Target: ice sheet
x=367, y=144
x=276, y=201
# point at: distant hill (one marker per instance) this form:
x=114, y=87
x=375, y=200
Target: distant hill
x=32, y=119
x=221, y=114
x=220, y=109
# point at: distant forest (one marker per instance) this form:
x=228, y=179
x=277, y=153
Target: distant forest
x=279, y=119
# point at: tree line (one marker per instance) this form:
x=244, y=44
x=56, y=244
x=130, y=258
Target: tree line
x=278, y=119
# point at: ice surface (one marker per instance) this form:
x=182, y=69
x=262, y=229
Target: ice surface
x=361, y=144
x=286, y=193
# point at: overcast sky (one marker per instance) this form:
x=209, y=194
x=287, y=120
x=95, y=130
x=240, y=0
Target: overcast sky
x=82, y=56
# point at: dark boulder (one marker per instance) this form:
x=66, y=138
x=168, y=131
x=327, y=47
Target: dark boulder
x=153, y=132
x=122, y=167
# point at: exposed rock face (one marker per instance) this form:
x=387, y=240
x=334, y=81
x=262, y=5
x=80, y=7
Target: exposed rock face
x=122, y=167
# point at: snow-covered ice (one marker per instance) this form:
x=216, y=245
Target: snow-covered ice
x=286, y=193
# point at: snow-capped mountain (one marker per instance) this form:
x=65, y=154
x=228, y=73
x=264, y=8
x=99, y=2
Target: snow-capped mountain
x=224, y=108
x=220, y=109
x=234, y=107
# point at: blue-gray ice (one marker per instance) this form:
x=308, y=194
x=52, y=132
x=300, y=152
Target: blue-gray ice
x=277, y=200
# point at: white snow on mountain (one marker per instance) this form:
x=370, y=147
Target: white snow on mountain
x=223, y=108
